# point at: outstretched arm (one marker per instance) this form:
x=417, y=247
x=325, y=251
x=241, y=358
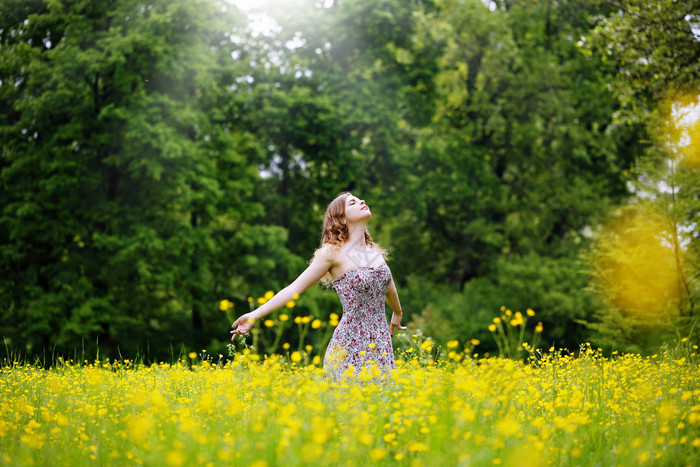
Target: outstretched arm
x=320, y=265
x=392, y=298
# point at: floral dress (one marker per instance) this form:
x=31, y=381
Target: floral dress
x=361, y=343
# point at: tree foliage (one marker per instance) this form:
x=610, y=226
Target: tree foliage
x=646, y=256
x=159, y=157
x=652, y=45
x=119, y=170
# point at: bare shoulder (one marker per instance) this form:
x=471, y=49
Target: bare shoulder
x=326, y=253
x=381, y=251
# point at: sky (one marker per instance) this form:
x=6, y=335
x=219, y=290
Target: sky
x=254, y=9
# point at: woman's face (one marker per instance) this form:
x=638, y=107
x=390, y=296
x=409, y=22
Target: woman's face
x=356, y=210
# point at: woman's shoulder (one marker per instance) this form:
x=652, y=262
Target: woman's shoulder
x=375, y=246
x=327, y=252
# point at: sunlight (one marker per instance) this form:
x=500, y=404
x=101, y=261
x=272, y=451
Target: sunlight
x=638, y=260
x=259, y=21
x=683, y=129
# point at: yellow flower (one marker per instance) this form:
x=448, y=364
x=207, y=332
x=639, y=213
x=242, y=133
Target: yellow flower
x=284, y=317
x=309, y=348
x=286, y=346
x=250, y=299
x=192, y=355
x=225, y=305
x=296, y=356
x=290, y=304
x=295, y=296
x=530, y=312
x=269, y=294
x=261, y=300
x=475, y=341
x=539, y=327
x=377, y=454
x=496, y=320
x=492, y=327
x=269, y=323
x=416, y=446
x=316, y=324
x=175, y=458
x=306, y=319
x=452, y=344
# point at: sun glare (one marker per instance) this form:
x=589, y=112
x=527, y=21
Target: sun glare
x=638, y=261
x=683, y=129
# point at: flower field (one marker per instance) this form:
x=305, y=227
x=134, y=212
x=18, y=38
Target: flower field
x=467, y=410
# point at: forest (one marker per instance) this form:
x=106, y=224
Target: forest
x=162, y=156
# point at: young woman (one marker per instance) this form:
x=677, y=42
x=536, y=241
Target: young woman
x=363, y=282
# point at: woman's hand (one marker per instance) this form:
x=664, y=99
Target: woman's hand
x=244, y=322
x=396, y=322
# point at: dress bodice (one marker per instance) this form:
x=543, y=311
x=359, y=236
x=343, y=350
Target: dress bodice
x=363, y=289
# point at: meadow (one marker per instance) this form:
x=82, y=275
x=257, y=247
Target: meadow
x=460, y=409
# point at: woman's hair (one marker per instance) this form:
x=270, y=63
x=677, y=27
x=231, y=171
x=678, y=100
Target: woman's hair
x=335, y=229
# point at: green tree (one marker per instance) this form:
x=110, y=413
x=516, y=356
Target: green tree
x=331, y=93
x=521, y=155
x=122, y=179
x=651, y=47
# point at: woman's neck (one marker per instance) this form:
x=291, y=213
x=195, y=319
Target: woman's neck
x=356, y=235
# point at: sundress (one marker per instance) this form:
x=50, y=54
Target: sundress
x=361, y=343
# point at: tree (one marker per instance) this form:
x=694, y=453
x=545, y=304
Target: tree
x=119, y=173
x=652, y=49
x=330, y=95
x=652, y=46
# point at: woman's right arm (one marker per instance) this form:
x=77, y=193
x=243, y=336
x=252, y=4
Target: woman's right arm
x=321, y=264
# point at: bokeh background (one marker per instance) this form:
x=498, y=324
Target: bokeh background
x=159, y=156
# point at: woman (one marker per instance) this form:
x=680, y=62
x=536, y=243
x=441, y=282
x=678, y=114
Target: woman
x=363, y=282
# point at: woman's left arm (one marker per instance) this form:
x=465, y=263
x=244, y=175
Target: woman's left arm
x=392, y=298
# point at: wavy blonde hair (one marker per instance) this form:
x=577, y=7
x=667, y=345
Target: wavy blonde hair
x=335, y=230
